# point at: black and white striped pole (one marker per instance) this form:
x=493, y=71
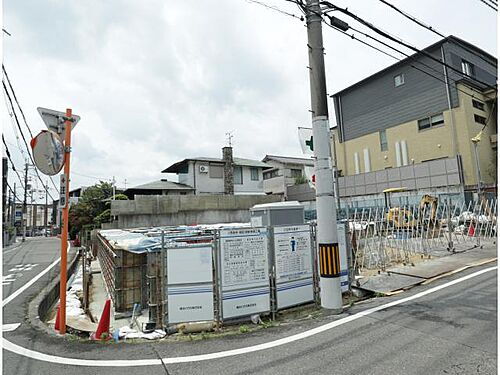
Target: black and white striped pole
x=327, y=238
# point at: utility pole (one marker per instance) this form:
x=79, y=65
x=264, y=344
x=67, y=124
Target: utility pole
x=114, y=191
x=327, y=238
x=46, y=207
x=25, y=211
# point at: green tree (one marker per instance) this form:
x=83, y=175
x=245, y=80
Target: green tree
x=93, y=207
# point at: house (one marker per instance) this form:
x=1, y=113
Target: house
x=285, y=171
x=227, y=175
x=411, y=124
x=162, y=187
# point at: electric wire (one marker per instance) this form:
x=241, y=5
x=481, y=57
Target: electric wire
x=272, y=7
x=434, y=30
x=15, y=98
x=393, y=48
x=7, y=152
x=24, y=139
x=401, y=42
x=488, y=4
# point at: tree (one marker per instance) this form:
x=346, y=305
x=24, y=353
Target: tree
x=92, y=207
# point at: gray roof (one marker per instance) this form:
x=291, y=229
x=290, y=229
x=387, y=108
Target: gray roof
x=174, y=168
x=451, y=38
x=289, y=160
x=161, y=185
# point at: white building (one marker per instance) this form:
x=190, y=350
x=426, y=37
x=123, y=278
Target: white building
x=213, y=175
x=285, y=171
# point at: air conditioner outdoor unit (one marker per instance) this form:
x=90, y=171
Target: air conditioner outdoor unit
x=203, y=168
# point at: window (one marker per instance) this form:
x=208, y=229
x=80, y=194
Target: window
x=270, y=174
x=399, y=80
x=383, y=140
x=254, y=174
x=215, y=171
x=294, y=173
x=480, y=119
x=431, y=121
x=477, y=104
x=467, y=68
x=238, y=176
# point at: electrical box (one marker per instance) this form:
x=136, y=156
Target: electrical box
x=279, y=213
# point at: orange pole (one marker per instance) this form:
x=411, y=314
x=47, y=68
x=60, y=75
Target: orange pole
x=64, y=234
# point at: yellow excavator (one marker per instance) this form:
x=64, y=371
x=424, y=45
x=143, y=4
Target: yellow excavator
x=401, y=218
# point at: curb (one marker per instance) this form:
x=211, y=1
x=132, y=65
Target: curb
x=39, y=307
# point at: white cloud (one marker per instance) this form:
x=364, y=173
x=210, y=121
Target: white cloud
x=156, y=81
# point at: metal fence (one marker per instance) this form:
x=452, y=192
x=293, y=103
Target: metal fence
x=192, y=274
x=382, y=237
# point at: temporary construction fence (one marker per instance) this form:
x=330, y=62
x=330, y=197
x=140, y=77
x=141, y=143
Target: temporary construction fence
x=382, y=237
x=213, y=273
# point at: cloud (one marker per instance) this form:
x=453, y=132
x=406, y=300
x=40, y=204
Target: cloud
x=156, y=82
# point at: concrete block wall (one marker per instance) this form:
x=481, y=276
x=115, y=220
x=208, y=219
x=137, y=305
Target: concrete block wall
x=157, y=210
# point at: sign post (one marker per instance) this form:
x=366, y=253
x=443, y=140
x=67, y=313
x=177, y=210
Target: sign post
x=65, y=215
x=61, y=123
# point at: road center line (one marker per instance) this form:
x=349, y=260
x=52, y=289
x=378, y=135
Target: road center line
x=228, y=353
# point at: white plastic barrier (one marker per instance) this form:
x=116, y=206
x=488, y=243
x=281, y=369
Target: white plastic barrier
x=293, y=260
x=190, y=284
x=243, y=272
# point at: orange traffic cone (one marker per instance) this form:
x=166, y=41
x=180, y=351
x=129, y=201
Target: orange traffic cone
x=57, y=325
x=472, y=230
x=103, y=326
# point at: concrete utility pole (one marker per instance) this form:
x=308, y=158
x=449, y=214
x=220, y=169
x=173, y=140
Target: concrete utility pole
x=328, y=247
x=25, y=211
x=46, y=217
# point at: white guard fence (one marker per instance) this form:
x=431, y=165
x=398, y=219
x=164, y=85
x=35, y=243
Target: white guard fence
x=382, y=237
x=201, y=273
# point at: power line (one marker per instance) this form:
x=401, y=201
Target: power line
x=24, y=139
x=396, y=50
x=488, y=4
x=401, y=42
x=434, y=30
x=10, y=159
x=272, y=7
x=15, y=98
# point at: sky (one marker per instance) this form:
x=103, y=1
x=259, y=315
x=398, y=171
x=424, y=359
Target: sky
x=159, y=81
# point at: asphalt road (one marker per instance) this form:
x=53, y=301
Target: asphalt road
x=450, y=331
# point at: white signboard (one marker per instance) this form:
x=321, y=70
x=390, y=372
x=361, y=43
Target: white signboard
x=190, y=287
x=244, y=272
x=293, y=254
x=244, y=262
x=344, y=269
x=294, y=265
x=189, y=265
x=245, y=302
x=62, y=191
x=190, y=303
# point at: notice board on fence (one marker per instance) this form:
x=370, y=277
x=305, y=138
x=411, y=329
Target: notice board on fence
x=190, y=284
x=293, y=259
x=244, y=271
x=343, y=248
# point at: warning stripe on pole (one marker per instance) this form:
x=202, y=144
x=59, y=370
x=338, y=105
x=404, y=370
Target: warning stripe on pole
x=329, y=260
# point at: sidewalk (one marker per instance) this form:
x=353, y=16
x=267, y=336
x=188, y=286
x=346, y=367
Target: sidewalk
x=400, y=278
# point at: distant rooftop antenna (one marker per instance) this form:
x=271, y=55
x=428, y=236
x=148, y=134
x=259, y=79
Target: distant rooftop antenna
x=230, y=136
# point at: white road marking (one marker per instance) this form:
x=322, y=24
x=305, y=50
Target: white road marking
x=10, y=327
x=228, y=353
x=30, y=283
x=23, y=267
x=7, y=280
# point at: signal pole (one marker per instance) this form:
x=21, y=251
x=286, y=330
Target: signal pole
x=327, y=238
